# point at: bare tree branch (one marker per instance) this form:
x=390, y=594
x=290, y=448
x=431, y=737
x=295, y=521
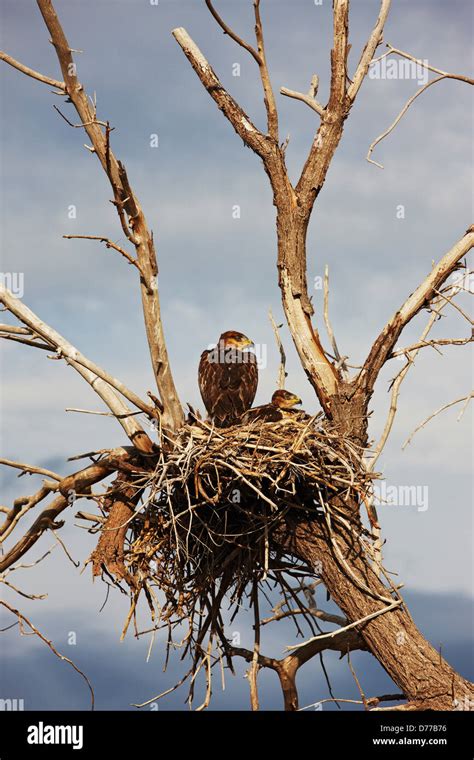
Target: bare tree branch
x=410, y=353
x=449, y=300
x=421, y=297
x=31, y=469
x=306, y=97
x=24, y=620
x=405, y=109
x=260, y=58
x=340, y=360
x=339, y=53
x=316, y=613
x=269, y=97
x=31, y=72
x=294, y=205
x=88, y=369
x=371, y=701
x=435, y=414
x=333, y=634
x=287, y=668
x=254, y=666
x=433, y=344
x=282, y=367
x=22, y=505
x=25, y=341
x=227, y=30
x=428, y=66
x=290, y=223
x=77, y=484
x=229, y=107
x=126, y=203
x=369, y=50
x=15, y=330
x=332, y=123
x=109, y=244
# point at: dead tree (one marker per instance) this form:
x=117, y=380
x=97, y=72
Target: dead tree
x=168, y=477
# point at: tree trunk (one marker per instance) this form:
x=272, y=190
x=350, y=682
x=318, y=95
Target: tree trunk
x=393, y=638
x=412, y=663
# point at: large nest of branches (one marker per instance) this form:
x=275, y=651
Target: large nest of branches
x=215, y=499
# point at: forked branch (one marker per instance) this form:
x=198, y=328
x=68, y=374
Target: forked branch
x=398, y=118
x=129, y=210
x=100, y=380
x=70, y=488
x=225, y=102
x=421, y=297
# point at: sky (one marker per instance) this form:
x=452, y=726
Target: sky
x=218, y=272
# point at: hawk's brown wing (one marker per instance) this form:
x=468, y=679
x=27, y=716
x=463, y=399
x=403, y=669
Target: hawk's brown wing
x=228, y=382
x=265, y=413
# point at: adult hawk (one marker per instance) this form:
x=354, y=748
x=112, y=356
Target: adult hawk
x=281, y=406
x=228, y=378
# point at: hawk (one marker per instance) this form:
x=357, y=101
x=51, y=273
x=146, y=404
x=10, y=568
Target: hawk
x=281, y=406
x=228, y=378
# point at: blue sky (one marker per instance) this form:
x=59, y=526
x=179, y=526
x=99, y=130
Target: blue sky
x=217, y=272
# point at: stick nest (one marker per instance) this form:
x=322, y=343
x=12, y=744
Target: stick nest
x=216, y=497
